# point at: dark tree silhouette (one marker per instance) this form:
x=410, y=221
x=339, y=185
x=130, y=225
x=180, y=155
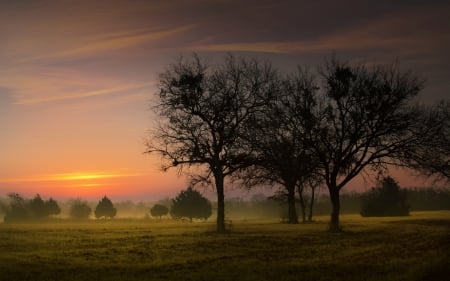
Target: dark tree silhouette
x=387, y=199
x=432, y=157
x=363, y=119
x=159, y=210
x=80, y=210
x=21, y=209
x=191, y=204
x=203, y=111
x=105, y=208
x=275, y=135
x=18, y=209
x=37, y=208
x=52, y=207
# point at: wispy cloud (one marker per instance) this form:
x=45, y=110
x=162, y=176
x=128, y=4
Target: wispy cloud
x=101, y=43
x=79, y=95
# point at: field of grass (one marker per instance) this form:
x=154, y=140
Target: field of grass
x=402, y=248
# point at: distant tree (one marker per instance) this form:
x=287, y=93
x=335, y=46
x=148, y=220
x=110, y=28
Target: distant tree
x=52, y=207
x=191, y=204
x=387, y=199
x=203, y=110
x=159, y=210
x=105, y=208
x=18, y=209
x=80, y=210
x=37, y=208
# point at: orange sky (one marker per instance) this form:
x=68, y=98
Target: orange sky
x=77, y=77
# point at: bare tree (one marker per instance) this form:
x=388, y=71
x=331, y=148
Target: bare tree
x=432, y=157
x=364, y=118
x=275, y=136
x=202, y=111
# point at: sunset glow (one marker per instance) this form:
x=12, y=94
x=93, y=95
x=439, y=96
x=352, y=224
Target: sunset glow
x=78, y=78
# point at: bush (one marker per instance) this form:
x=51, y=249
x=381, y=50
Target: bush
x=387, y=199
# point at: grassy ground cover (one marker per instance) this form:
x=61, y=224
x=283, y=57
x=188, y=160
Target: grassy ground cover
x=401, y=248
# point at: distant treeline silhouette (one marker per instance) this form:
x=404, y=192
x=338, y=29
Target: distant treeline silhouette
x=18, y=209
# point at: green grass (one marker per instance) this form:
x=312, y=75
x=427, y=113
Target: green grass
x=402, y=248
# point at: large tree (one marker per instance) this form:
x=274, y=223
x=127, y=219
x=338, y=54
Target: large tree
x=202, y=111
x=365, y=118
x=275, y=136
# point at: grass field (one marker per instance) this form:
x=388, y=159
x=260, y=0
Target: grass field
x=402, y=248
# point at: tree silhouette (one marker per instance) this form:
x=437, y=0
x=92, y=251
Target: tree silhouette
x=37, y=207
x=80, y=210
x=432, y=157
x=387, y=199
x=21, y=209
x=275, y=136
x=105, y=208
x=18, y=209
x=159, y=210
x=191, y=204
x=203, y=111
x=364, y=118
x=52, y=207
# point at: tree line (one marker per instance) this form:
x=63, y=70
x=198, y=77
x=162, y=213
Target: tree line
x=246, y=121
x=20, y=209
x=189, y=204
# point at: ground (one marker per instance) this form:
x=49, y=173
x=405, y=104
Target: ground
x=400, y=248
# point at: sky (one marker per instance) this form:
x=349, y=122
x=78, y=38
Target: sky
x=78, y=78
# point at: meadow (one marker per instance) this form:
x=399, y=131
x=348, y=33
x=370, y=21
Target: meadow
x=416, y=247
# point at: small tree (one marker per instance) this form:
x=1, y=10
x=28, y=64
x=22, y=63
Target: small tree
x=159, y=210
x=105, y=208
x=51, y=207
x=191, y=204
x=80, y=210
x=387, y=199
x=17, y=210
x=37, y=207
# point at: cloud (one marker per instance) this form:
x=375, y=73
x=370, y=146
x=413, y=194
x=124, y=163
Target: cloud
x=79, y=95
x=76, y=176
x=101, y=43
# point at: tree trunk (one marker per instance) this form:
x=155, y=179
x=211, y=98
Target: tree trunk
x=293, y=219
x=302, y=202
x=311, y=204
x=336, y=206
x=220, y=202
